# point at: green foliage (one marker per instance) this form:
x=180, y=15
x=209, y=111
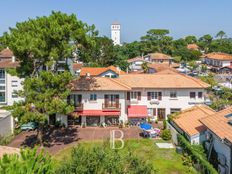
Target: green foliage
x=166, y=134
x=27, y=162
x=4, y=140
x=145, y=67
x=103, y=160
x=12, y=71
x=209, y=79
x=46, y=40
x=196, y=156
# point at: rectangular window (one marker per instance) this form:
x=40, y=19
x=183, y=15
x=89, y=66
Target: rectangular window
x=2, y=97
x=173, y=94
x=2, y=74
x=2, y=87
x=14, y=83
x=150, y=111
x=76, y=99
x=135, y=95
x=111, y=100
x=192, y=95
x=200, y=94
x=93, y=97
x=154, y=95
x=2, y=81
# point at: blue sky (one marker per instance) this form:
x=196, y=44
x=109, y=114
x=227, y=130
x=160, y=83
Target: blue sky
x=181, y=17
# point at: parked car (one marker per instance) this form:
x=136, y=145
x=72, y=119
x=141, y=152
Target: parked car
x=29, y=126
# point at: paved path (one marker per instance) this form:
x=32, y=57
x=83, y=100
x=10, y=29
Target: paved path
x=61, y=138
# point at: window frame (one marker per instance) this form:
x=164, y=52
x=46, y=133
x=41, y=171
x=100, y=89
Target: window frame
x=173, y=96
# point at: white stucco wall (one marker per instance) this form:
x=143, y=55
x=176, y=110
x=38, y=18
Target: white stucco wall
x=222, y=148
x=13, y=83
x=6, y=124
x=136, y=65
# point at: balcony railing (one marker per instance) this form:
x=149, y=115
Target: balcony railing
x=107, y=106
x=79, y=107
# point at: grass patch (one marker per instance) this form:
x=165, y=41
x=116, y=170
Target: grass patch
x=164, y=160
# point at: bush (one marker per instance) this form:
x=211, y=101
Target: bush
x=197, y=158
x=28, y=161
x=166, y=134
x=103, y=159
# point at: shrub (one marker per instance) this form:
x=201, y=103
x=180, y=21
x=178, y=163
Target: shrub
x=166, y=134
x=197, y=158
x=28, y=161
x=102, y=159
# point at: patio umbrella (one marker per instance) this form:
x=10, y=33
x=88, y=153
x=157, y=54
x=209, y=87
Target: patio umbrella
x=145, y=126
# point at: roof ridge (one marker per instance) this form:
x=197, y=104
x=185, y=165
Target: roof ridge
x=206, y=107
x=198, y=81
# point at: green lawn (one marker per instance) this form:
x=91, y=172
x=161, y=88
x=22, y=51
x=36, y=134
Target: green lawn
x=164, y=160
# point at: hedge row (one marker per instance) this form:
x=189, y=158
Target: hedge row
x=206, y=167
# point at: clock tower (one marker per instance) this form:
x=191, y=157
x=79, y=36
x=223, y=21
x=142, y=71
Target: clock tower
x=115, y=33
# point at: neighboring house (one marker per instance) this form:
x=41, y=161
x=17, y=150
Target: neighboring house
x=187, y=123
x=158, y=67
x=219, y=137
x=9, y=84
x=111, y=71
x=217, y=59
x=135, y=64
x=134, y=98
x=76, y=68
x=158, y=58
x=193, y=47
x=6, y=123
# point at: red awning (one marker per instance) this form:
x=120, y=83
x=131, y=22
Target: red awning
x=98, y=113
x=137, y=111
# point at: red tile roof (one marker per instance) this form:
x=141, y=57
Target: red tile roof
x=219, y=125
x=139, y=58
x=192, y=47
x=218, y=56
x=95, y=71
x=159, y=56
x=189, y=120
x=77, y=66
x=6, y=53
x=7, y=63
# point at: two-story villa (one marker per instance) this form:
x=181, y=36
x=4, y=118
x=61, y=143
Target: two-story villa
x=134, y=97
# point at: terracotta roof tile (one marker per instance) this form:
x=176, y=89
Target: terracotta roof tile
x=139, y=58
x=192, y=47
x=162, y=66
x=217, y=56
x=77, y=66
x=159, y=56
x=161, y=80
x=95, y=71
x=6, y=53
x=188, y=120
x=7, y=63
x=98, y=84
x=218, y=124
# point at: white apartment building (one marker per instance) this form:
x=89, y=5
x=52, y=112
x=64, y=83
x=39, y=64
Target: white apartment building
x=9, y=84
x=132, y=98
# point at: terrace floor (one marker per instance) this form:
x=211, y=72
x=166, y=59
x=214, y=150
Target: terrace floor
x=57, y=139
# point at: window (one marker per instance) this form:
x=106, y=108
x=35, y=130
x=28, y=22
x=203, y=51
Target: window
x=107, y=75
x=93, y=97
x=114, y=76
x=173, y=94
x=2, y=74
x=192, y=95
x=2, y=87
x=151, y=111
x=200, y=94
x=2, y=96
x=111, y=100
x=2, y=81
x=174, y=110
x=76, y=99
x=154, y=95
x=14, y=83
x=136, y=95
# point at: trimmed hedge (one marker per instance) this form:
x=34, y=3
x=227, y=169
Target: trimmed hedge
x=206, y=167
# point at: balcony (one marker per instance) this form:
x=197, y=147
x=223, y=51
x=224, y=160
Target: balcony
x=79, y=107
x=112, y=107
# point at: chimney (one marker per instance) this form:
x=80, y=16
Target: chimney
x=13, y=58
